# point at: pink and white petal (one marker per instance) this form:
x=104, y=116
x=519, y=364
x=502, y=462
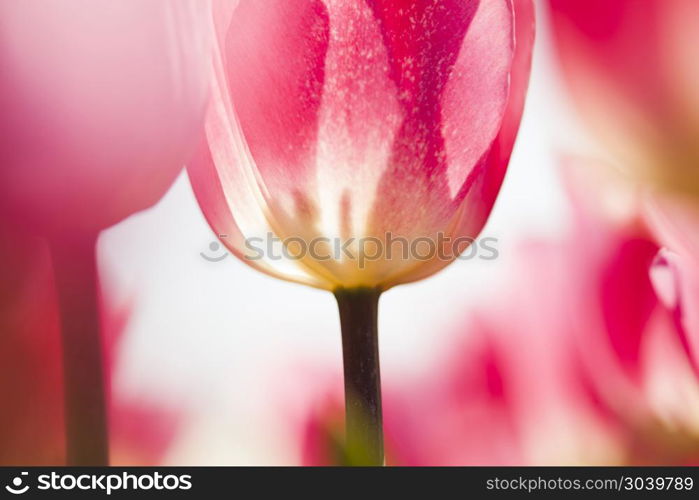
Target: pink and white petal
x=676, y=282
x=359, y=117
x=675, y=223
x=452, y=114
x=482, y=186
x=477, y=94
x=273, y=67
x=207, y=186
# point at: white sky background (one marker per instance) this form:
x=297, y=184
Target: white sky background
x=242, y=353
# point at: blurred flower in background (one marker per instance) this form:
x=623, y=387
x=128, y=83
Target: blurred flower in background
x=96, y=125
x=580, y=360
x=102, y=105
x=634, y=361
x=632, y=71
x=31, y=421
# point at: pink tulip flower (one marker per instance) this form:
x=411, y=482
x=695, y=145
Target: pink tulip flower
x=355, y=119
x=102, y=104
x=338, y=126
x=633, y=71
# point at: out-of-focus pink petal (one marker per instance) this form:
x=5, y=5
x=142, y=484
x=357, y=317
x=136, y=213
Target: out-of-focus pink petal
x=630, y=71
x=611, y=281
x=323, y=434
x=617, y=42
x=141, y=433
x=627, y=298
x=31, y=420
x=632, y=359
x=676, y=282
x=478, y=424
x=102, y=102
x=31, y=388
x=675, y=223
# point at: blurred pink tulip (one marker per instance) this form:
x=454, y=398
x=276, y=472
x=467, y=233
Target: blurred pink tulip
x=102, y=104
x=31, y=418
x=631, y=357
x=31, y=389
x=355, y=119
x=633, y=71
x=595, y=364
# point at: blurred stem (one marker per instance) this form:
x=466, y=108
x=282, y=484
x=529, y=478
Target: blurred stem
x=360, y=352
x=75, y=269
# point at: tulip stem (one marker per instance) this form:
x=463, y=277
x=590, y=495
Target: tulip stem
x=75, y=270
x=360, y=352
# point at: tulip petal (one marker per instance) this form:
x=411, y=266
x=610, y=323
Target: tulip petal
x=676, y=282
x=207, y=187
x=454, y=88
x=481, y=188
x=274, y=54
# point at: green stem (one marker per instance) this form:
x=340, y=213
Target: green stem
x=75, y=270
x=360, y=351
